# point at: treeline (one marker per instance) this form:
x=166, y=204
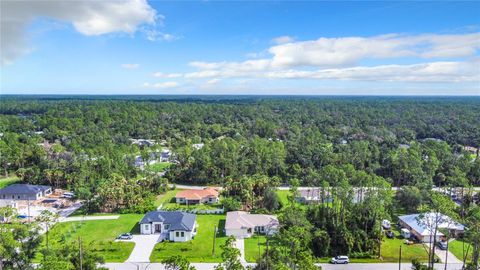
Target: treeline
x=84, y=144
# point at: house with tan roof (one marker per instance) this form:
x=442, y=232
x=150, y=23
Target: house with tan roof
x=193, y=196
x=243, y=224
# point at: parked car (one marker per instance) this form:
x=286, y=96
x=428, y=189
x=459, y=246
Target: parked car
x=68, y=195
x=386, y=224
x=340, y=260
x=389, y=234
x=442, y=245
x=125, y=236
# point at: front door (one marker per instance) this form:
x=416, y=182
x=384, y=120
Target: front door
x=158, y=228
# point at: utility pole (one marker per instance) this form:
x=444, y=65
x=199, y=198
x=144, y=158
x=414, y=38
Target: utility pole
x=267, y=254
x=214, y=238
x=80, y=252
x=400, y=259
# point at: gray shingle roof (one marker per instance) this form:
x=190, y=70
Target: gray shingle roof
x=177, y=220
x=23, y=189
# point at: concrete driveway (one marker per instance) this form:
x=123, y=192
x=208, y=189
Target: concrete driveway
x=240, y=245
x=144, y=245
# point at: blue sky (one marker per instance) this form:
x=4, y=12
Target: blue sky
x=315, y=48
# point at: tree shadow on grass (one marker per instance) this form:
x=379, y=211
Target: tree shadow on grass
x=221, y=227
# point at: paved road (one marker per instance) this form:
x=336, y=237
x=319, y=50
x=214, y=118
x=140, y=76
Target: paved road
x=68, y=211
x=144, y=245
x=85, y=218
x=352, y=266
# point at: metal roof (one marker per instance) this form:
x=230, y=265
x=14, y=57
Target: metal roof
x=177, y=220
x=23, y=189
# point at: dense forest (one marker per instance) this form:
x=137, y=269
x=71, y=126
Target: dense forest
x=344, y=146
x=404, y=140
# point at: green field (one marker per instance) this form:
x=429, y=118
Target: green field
x=166, y=197
x=255, y=247
x=6, y=181
x=456, y=247
x=167, y=200
x=391, y=247
x=99, y=234
x=198, y=249
x=158, y=167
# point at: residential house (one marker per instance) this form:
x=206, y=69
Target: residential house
x=313, y=195
x=198, y=146
x=165, y=155
x=243, y=225
x=174, y=226
x=25, y=192
x=193, y=196
x=422, y=226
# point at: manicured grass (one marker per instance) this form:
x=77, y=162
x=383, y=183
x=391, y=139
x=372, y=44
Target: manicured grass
x=166, y=197
x=6, y=181
x=255, y=247
x=283, y=196
x=198, y=249
x=159, y=167
x=456, y=247
x=99, y=235
x=183, y=207
x=168, y=203
x=391, y=247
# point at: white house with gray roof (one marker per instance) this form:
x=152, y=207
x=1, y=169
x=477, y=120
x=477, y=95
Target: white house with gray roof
x=24, y=192
x=422, y=226
x=174, y=226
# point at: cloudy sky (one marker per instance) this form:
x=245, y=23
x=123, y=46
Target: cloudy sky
x=211, y=47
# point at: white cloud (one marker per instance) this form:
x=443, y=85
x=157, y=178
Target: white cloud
x=161, y=85
x=283, y=39
x=130, y=66
x=425, y=72
x=338, y=58
x=87, y=17
x=213, y=81
x=348, y=51
x=167, y=75
x=155, y=35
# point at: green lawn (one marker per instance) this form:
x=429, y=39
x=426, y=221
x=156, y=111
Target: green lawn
x=6, y=181
x=158, y=167
x=254, y=247
x=283, y=196
x=166, y=197
x=168, y=201
x=391, y=247
x=99, y=234
x=456, y=247
x=198, y=249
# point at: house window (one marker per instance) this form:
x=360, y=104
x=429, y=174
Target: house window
x=177, y=234
x=147, y=227
x=18, y=196
x=182, y=234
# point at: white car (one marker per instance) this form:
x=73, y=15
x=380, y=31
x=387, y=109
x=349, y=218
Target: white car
x=68, y=195
x=386, y=224
x=340, y=260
